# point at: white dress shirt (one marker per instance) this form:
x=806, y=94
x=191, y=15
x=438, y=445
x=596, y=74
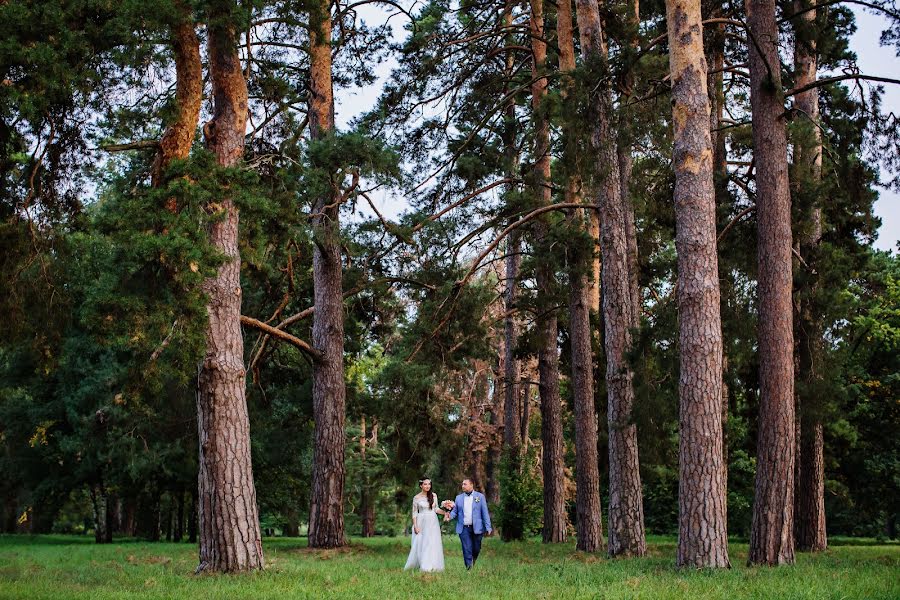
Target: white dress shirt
x=468, y=503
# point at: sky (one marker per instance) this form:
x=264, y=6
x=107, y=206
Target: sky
x=873, y=59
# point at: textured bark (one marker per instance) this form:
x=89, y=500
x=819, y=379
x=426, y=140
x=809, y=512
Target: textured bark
x=702, y=525
x=714, y=47
x=810, y=525
x=626, y=512
x=589, y=524
x=771, y=532
x=326, y=514
x=230, y=538
x=809, y=517
x=512, y=438
x=548, y=357
x=178, y=137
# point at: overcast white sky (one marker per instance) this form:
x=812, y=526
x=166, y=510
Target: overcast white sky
x=878, y=60
x=873, y=60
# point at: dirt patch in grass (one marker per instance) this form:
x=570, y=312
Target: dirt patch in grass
x=148, y=560
x=330, y=553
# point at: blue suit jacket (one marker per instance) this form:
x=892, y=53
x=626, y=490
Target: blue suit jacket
x=481, y=518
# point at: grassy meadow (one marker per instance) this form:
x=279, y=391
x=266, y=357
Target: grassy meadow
x=59, y=567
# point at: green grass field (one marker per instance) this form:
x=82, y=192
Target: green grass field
x=60, y=567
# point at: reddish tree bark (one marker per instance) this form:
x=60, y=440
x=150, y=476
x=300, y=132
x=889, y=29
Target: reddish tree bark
x=178, y=137
x=589, y=524
x=702, y=526
x=230, y=537
x=771, y=532
x=809, y=516
x=626, y=512
x=548, y=357
x=326, y=514
x=623, y=149
x=512, y=438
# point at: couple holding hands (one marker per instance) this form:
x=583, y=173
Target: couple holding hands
x=472, y=521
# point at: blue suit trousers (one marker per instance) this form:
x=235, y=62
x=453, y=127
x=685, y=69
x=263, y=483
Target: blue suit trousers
x=471, y=545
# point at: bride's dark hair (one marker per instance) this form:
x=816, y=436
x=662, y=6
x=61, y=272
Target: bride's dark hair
x=429, y=493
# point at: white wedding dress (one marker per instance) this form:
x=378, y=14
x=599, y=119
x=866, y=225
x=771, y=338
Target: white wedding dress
x=427, y=552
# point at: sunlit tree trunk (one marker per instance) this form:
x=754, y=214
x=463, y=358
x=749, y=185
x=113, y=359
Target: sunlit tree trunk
x=230, y=538
x=702, y=526
x=178, y=137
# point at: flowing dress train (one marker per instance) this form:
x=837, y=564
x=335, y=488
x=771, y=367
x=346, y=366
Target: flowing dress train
x=427, y=551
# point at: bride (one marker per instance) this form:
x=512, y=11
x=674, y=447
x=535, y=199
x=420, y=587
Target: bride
x=427, y=552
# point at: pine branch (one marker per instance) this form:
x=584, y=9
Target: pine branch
x=136, y=145
x=282, y=335
x=827, y=80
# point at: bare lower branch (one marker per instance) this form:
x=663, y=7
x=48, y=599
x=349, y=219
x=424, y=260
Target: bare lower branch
x=282, y=335
x=137, y=145
x=827, y=80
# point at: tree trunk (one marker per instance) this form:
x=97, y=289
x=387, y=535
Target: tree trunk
x=178, y=138
x=169, y=518
x=525, y=416
x=548, y=357
x=495, y=445
x=714, y=47
x=367, y=496
x=193, y=521
x=512, y=439
x=179, y=516
x=10, y=512
x=102, y=513
x=702, y=524
x=623, y=150
x=626, y=513
x=809, y=524
x=292, y=527
x=326, y=513
x=130, y=521
x=149, y=517
x=230, y=538
x=771, y=533
x=589, y=524
x=115, y=507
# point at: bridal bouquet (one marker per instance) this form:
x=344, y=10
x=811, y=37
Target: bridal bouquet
x=448, y=504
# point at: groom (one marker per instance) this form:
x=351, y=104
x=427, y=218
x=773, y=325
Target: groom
x=472, y=520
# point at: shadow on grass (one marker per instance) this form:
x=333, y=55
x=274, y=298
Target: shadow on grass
x=8, y=540
x=21, y=539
